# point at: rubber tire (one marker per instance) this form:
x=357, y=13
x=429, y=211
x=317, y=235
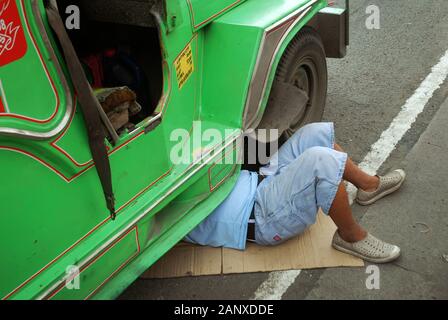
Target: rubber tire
x=306, y=47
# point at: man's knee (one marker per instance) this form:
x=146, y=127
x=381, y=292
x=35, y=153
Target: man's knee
x=316, y=129
x=325, y=163
x=319, y=154
x=314, y=134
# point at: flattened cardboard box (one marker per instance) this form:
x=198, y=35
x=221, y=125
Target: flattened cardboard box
x=311, y=250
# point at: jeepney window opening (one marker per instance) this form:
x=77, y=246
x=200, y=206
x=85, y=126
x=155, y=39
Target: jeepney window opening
x=122, y=59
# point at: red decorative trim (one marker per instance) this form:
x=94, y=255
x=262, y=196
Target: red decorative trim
x=10, y=115
x=213, y=188
x=55, y=259
x=144, y=190
x=65, y=153
x=119, y=268
x=2, y=107
x=46, y=164
x=59, y=173
x=195, y=26
x=223, y=180
x=61, y=287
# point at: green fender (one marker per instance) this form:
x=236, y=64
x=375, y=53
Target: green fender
x=249, y=42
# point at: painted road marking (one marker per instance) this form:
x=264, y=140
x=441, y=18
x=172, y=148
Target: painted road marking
x=276, y=285
x=389, y=139
x=279, y=282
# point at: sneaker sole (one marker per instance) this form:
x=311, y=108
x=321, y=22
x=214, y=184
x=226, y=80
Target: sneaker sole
x=382, y=195
x=368, y=259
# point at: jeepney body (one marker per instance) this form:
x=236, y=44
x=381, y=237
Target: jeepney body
x=218, y=59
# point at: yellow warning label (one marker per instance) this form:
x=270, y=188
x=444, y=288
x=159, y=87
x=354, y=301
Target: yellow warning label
x=184, y=65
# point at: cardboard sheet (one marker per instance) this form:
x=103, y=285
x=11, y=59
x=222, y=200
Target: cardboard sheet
x=311, y=250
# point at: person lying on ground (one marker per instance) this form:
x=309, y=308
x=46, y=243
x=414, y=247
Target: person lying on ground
x=283, y=200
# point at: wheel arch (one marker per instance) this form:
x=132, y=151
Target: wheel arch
x=262, y=80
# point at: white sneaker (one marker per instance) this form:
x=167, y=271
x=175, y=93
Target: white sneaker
x=370, y=249
x=388, y=184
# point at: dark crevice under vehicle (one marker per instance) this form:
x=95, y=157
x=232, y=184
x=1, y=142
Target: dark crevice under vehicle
x=105, y=202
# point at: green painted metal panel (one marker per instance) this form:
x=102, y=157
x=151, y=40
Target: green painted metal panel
x=94, y=276
x=203, y=12
x=262, y=13
x=52, y=210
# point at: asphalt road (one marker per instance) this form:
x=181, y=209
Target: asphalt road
x=366, y=91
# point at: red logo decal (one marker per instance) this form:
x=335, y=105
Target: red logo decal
x=277, y=238
x=12, y=39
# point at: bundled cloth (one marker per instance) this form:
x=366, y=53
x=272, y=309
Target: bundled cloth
x=119, y=104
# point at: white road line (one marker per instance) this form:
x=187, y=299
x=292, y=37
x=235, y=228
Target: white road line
x=389, y=139
x=279, y=282
x=276, y=285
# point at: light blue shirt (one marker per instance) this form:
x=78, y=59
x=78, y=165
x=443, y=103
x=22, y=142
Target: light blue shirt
x=227, y=225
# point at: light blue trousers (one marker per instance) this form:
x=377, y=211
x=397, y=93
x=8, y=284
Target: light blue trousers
x=303, y=176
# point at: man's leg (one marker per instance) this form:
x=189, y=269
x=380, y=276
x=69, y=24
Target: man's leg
x=340, y=211
x=371, y=188
x=351, y=238
x=356, y=176
x=287, y=204
x=341, y=214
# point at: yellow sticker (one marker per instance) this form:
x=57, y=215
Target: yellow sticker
x=184, y=65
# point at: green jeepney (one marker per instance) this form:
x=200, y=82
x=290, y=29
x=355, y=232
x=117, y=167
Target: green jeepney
x=76, y=223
